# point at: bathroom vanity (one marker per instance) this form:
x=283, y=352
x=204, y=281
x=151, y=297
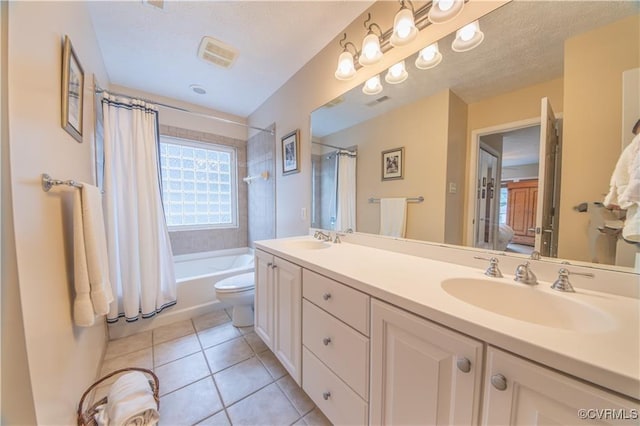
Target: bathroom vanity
x=379, y=337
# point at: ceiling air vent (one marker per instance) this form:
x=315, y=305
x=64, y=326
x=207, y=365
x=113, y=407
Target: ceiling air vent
x=334, y=102
x=378, y=101
x=217, y=52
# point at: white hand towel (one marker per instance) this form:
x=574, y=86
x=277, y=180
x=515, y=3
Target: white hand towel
x=393, y=216
x=83, y=313
x=96, y=249
x=130, y=402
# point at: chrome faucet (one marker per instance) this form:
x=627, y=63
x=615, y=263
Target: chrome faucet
x=563, y=284
x=336, y=238
x=322, y=236
x=525, y=275
x=492, y=270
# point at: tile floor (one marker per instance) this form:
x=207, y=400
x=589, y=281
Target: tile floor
x=212, y=373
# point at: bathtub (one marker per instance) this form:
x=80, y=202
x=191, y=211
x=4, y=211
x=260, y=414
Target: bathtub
x=196, y=274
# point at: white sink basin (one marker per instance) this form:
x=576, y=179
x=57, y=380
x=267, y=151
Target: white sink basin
x=307, y=244
x=529, y=303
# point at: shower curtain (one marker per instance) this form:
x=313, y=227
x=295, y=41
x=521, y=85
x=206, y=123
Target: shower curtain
x=346, y=191
x=140, y=257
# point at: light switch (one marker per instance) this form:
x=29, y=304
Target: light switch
x=453, y=188
x=303, y=213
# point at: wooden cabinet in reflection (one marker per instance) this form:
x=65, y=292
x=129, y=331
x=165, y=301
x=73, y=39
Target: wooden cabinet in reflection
x=521, y=210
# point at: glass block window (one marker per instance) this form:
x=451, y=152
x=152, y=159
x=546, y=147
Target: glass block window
x=198, y=184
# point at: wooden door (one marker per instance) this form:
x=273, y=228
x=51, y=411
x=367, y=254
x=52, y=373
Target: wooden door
x=521, y=210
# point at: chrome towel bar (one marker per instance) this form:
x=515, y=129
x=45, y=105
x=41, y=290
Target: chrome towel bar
x=409, y=200
x=48, y=182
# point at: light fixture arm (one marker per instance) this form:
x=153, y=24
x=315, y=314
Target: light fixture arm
x=345, y=46
x=403, y=6
x=370, y=27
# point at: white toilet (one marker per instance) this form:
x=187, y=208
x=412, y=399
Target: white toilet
x=238, y=291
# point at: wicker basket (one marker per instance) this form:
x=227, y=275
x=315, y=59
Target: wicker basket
x=86, y=416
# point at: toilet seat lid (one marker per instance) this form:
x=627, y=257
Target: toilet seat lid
x=236, y=283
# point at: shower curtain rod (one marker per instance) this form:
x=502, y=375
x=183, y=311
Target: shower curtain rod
x=331, y=146
x=213, y=117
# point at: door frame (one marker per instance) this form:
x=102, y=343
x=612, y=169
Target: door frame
x=495, y=205
x=472, y=179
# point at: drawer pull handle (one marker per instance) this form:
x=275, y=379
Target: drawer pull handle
x=499, y=382
x=269, y=265
x=326, y=395
x=464, y=364
x=326, y=341
x=274, y=266
x=326, y=296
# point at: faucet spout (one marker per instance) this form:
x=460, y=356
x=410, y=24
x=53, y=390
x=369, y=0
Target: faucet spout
x=525, y=275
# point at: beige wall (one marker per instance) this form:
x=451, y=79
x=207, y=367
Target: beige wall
x=16, y=401
x=594, y=63
x=62, y=359
x=421, y=128
x=456, y=169
x=314, y=85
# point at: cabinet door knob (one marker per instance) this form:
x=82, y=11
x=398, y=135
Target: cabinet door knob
x=464, y=364
x=326, y=296
x=326, y=395
x=499, y=382
x=326, y=341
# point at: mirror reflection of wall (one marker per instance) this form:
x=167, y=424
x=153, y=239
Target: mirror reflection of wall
x=573, y=53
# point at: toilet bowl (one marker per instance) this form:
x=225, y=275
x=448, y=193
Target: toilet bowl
x=238, y=291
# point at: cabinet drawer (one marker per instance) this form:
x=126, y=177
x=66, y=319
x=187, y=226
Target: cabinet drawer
x=335, y=399
x=350, y=305
x=341, y=348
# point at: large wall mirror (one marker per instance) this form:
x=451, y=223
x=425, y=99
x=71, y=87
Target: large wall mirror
x=511, y=145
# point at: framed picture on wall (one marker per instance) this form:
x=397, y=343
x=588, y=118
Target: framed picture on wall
x=393, y=164
x=72, y=91
x=291, y=153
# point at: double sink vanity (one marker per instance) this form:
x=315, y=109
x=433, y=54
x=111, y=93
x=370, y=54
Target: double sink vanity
x=376, y=336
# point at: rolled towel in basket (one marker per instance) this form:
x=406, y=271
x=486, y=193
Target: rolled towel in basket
x=130, y=402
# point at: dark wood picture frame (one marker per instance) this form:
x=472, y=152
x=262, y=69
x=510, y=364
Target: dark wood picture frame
x=393, y=164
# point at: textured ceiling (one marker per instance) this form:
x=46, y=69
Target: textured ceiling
x=523, y=45
x=154, y=50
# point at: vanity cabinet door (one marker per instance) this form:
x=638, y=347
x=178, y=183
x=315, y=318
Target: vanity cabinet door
x=519, y=392
x=288, y=316
x=421, y=373
x=264, y=305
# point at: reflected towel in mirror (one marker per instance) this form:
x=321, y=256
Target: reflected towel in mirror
x=393, y=217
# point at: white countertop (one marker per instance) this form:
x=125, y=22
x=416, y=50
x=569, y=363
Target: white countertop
x=609, y=356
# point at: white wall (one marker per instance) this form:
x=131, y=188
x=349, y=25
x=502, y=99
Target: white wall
x=63, y=360
x=314, y=85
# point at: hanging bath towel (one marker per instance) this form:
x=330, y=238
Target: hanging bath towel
x=393, y=217
x=91, y=282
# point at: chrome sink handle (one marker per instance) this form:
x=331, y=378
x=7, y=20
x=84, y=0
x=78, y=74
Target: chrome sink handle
x=492, y=270
x=525, y=275
x=322, y=236
x=563, y=284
